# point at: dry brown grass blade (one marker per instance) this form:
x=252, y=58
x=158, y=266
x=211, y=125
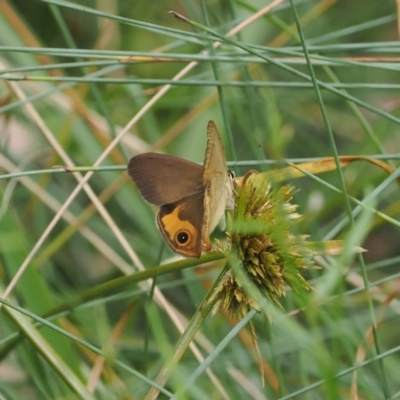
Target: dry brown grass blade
x=368, y=343
x=331, y=247
x=317, y=167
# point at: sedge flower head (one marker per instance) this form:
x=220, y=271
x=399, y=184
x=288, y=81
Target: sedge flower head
x=264, y=236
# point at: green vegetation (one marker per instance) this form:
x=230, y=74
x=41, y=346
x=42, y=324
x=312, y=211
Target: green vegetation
x=89, y=84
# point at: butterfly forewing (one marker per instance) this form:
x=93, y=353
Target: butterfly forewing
x=215, y=161
x=219, y=187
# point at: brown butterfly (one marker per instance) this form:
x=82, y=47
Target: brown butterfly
x=192, y=197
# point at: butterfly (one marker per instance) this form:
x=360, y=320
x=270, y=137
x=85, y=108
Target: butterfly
x=192, y=197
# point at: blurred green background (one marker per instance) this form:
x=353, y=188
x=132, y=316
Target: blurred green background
x=69, y=88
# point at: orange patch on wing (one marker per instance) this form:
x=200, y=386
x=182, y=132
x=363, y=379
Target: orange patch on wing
x=173, y=224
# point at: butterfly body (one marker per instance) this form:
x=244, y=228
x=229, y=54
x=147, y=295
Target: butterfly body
x=192, y=197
